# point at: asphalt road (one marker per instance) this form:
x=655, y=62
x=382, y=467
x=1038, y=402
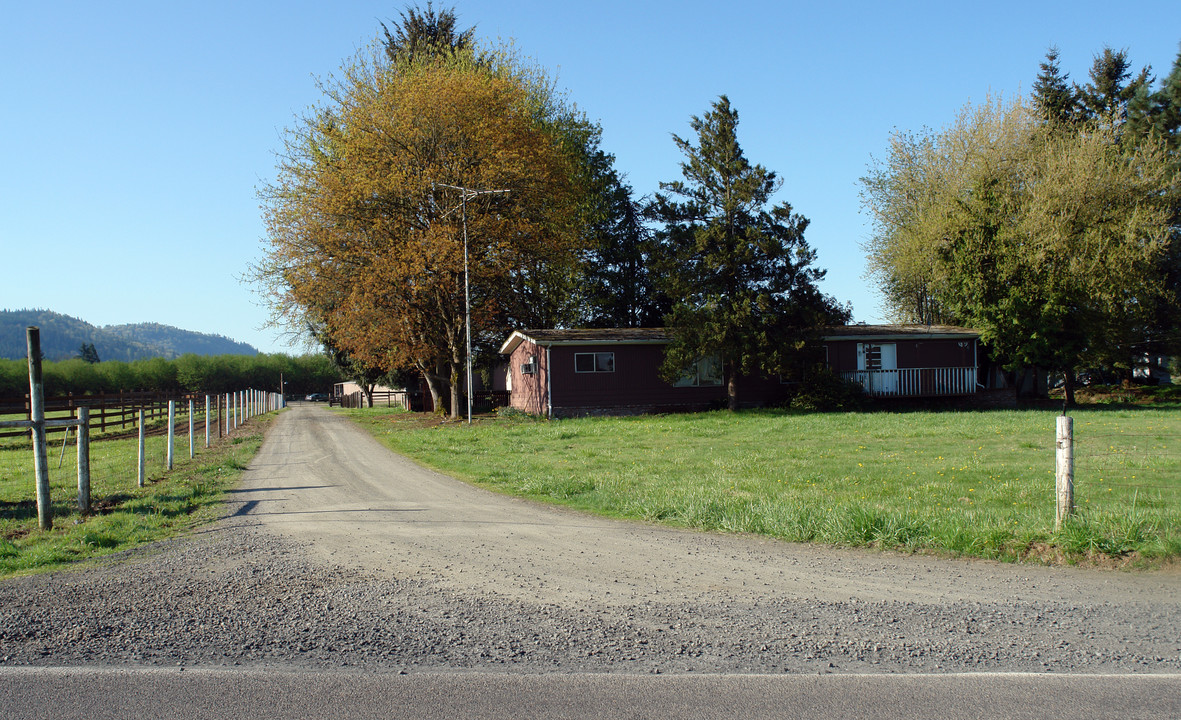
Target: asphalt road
x=348, y=581
x=70, y=694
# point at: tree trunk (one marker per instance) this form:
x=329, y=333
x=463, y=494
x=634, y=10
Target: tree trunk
x=368, y=389
x=455, y=388
x=732, y=392
x=435, y=383
x=1068, y=387
x=1020, y=383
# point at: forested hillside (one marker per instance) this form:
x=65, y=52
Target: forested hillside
x=176, y=342
x=63, y=336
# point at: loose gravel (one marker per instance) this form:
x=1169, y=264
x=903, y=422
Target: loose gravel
x=252, y=591
x=240, y=596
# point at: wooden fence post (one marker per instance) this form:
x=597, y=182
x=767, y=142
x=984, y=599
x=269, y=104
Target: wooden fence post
x=1064, y=471
x=37, y=416
x=84, y=460
x=206, y=421
x=141, y=447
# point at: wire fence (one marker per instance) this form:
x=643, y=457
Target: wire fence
x=114, y=460
x=1148, y=465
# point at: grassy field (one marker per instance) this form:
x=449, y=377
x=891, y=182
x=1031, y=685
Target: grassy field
x=964, y=483
x=125, y=515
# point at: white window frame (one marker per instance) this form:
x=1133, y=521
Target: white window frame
x=695, y=377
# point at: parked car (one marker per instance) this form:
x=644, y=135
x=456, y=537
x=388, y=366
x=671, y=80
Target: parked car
x=317, y=397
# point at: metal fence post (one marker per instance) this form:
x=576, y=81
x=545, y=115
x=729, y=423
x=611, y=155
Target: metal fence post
x=171, y=430
x=141, y=447
x=190, y=428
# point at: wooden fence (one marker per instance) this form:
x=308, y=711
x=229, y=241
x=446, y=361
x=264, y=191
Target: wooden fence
x=108, y=411
x=416, y=402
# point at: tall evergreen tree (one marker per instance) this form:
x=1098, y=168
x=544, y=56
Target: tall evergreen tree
x=88, y=353
x=1053, y=98
x=618, y=282
x=737, y=267
x=426, y=33
x=1111, y=88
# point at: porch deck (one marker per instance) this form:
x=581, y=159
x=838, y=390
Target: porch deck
x=916, y=382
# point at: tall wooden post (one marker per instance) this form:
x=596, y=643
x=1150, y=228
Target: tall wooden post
x=84, y=460
x=206, y=421
x=1064, y=470
x=37, y=416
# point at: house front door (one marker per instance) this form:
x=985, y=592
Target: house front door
x=880, y=363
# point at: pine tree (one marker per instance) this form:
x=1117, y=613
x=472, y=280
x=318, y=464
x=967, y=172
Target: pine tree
x=737, y=267
x=425, y=33
x=618, y=274
x=1054, y=99
x=1106, y=96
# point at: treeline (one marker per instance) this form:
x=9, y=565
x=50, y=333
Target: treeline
x=445, y=190
x=1051, y=224
x=188, y=373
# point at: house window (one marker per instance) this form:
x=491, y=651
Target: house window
x=706, y=372
x=597, y=362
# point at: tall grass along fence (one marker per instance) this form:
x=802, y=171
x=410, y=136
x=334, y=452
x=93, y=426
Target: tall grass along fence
x=155, y=418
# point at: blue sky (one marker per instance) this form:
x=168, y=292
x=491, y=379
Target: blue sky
x=137, y=133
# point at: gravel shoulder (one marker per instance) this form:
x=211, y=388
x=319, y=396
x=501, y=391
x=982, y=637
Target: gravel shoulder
x=337, y=553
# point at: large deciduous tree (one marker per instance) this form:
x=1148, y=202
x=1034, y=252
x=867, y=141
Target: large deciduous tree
x=366, y=241
x=737, y=266
x=1048, y=242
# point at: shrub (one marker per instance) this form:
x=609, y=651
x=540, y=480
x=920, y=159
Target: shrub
x=824, y=390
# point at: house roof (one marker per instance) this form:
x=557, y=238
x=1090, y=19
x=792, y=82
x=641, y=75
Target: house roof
x=586, y=336
x=899, y=332
x=660, y=336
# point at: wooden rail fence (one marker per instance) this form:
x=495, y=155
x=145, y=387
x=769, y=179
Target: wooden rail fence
x=108, y=411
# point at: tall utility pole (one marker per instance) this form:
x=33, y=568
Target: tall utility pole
x=465, y=194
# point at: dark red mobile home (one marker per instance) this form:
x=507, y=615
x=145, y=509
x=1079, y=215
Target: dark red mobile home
x=906, y=360
x=562, y=373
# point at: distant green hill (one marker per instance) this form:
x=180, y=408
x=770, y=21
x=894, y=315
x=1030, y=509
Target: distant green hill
x=62, y=337
x=176, y=342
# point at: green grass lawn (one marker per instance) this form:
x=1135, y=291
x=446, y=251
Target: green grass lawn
x=124, y=514
x=965, y=483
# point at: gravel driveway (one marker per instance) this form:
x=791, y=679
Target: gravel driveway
x=338, y=553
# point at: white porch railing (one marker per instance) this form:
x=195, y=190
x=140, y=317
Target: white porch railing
x=915, y=382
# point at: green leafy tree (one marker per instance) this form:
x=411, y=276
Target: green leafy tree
x=366, y=228
x=737, y=266
x=1049, y=243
